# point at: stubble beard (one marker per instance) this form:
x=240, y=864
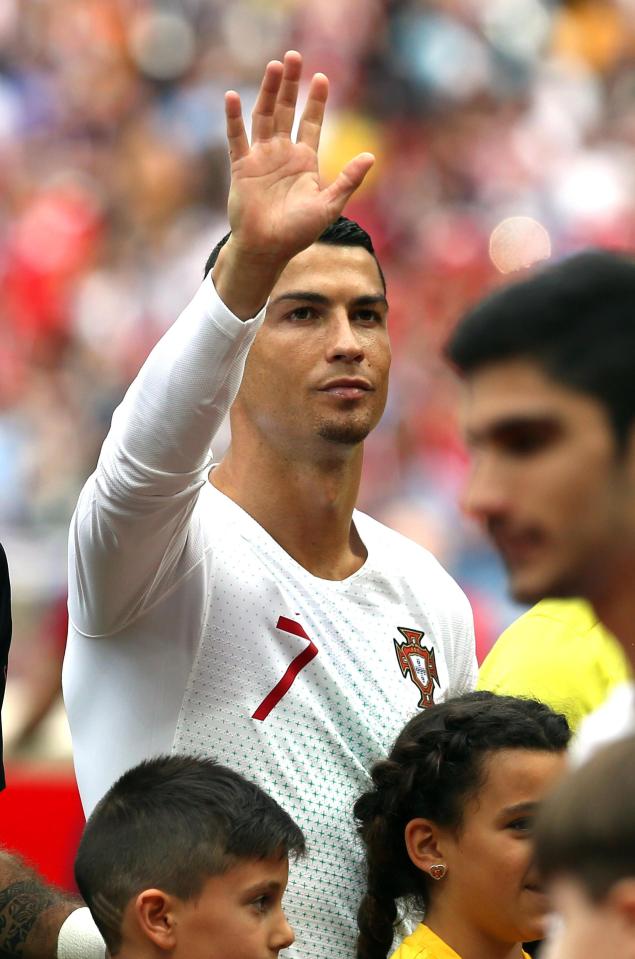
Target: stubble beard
x=565, y=585
x=344, y=433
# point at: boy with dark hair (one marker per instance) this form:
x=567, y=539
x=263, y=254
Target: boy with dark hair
x=585, y=847
x=184, y=858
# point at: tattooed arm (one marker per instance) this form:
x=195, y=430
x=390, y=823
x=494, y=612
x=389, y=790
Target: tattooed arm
x=31, y=911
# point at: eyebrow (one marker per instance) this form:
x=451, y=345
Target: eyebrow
x=271, y=885
x=511, y=424
x=373, y=299
x=518, y=809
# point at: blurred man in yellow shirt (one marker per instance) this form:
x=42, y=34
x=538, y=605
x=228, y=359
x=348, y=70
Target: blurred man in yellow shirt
x=560, y=653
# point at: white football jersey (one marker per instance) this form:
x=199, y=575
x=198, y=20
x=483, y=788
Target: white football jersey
x=193, y=631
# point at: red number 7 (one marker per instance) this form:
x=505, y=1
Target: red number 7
x=272, y=699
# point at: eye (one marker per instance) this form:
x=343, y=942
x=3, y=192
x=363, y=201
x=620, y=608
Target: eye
x=525, y=439
x=368, y=317
x=262, y=903
x=523, y=444
x=522, y=825
x=302, y=314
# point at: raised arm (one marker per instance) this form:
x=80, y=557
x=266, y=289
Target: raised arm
x=133, y=519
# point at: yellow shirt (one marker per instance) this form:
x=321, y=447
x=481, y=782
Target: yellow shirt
x=559, y=653
x=425, y=944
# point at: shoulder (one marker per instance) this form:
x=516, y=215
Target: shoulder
x=556, y=629
x=557, y=652
x=558, y=634
x=567, y=617
x=423, y=944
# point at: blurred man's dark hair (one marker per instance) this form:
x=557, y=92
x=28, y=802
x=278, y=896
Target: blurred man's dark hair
x=575, y=320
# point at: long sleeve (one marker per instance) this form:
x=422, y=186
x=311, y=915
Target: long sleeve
x=132, y=521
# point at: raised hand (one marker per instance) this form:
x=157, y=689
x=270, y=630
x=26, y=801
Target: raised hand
x=276, y=205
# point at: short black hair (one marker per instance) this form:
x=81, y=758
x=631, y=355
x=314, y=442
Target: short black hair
x=171, y=823
x=342, y=232
x=574, y=319
x=586, y=828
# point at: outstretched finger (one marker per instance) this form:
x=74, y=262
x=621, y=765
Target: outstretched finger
x=310, y=126
x=351, y=177
x=288, y=93
x=264, y=109
x=236, y=136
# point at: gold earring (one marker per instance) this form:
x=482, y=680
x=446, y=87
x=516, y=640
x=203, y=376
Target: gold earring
x=438, y=870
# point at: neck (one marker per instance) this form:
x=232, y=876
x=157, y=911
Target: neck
x=305, y=503
x=140, y=950
x=467, y=941
x=616, y=610
x=609, y=589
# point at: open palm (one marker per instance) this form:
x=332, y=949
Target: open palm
x=277, y=206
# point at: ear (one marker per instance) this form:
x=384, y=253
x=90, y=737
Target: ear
x=621, y=897
x=423, y=838
x=155, y=914
x=620, y=905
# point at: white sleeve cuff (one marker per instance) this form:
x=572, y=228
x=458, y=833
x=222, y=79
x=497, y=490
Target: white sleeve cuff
x=221, y=315
x=79, y=937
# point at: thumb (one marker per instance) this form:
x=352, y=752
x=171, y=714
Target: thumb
x=343, y=187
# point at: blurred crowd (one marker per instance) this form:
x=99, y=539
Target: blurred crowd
x=114, y=174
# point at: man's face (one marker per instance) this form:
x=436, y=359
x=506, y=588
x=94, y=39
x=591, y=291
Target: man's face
x=237, y=914
x=491, y=883
x=318, y=369
x=591, y=929
x=548, y=483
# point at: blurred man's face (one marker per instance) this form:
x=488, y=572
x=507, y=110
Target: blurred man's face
x=548, y=483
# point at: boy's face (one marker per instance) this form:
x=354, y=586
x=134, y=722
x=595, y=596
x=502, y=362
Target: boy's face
x=592, y=929
x=237, y=914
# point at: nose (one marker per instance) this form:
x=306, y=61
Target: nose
x=284, y=935
x=483, y=496
x=343, y=340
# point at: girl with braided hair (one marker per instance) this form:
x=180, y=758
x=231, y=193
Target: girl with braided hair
x=447, y=829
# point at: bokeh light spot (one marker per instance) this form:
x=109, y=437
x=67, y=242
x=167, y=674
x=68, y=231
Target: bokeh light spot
x=518, y=242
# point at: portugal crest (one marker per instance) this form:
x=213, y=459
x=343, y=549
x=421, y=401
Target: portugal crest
x=419, y=661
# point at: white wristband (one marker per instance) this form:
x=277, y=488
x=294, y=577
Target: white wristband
x=79, y=937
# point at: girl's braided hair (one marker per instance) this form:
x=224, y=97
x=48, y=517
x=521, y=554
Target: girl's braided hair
x=434, y=767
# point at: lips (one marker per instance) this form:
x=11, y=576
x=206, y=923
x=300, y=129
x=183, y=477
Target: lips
x=347, y=387
x=514, y=545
